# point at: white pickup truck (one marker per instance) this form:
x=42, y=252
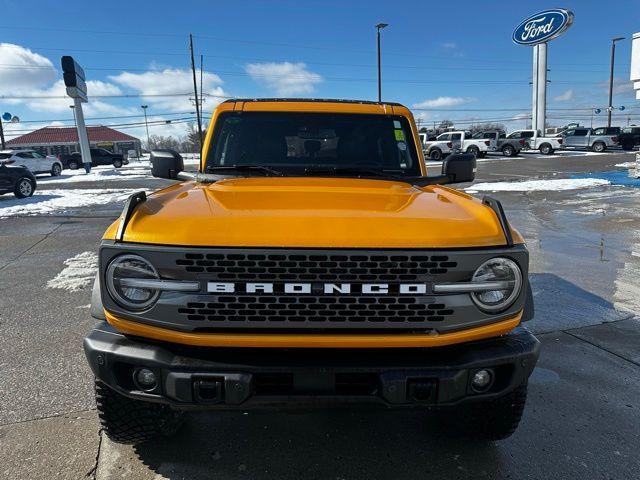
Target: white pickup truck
x=534, y=140
x=455, y=142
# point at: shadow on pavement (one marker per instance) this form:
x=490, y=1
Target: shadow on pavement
x=330, y=444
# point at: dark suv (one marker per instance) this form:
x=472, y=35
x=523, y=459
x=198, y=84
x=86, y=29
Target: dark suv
x=99, y=156
x=16, y=179
x=629, y=137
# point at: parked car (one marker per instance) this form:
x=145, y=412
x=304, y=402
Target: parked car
x=534, y=140
x=99, y=156
x=455, y=142
x=629, y=137
x=498, y=142
x=607, y=131
x=16, y=179
x=587, y=138
x=34, y=161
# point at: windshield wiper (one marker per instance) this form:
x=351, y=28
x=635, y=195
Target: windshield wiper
x=364, y=172
x=245, y=168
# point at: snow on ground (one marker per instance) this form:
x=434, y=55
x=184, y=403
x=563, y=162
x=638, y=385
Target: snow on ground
x=60, y=201
x=77, y=274
x=102, y=173
x=538, y=185
x=627, y=165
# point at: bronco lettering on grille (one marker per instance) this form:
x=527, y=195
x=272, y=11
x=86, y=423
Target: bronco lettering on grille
x=319, y=288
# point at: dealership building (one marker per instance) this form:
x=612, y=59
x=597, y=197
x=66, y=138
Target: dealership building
x=64, y=140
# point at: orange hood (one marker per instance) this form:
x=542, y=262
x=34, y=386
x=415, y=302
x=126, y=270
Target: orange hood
x=312, y=212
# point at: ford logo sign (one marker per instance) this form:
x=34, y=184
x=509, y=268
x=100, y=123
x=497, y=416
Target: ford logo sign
x=543, y=26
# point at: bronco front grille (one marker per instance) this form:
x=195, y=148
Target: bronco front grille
x=316, y=267
x=279, y=309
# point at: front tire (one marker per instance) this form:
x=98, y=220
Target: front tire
x=23, y=188
x=599, y=147
x=492, y=419
x=133, y=421
x=73, y=165
x=117, y=163
x=56, y=170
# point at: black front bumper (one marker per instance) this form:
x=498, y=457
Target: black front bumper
x=194, y=377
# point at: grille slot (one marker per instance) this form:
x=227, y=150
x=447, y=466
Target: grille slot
x=287, y=310
x=315, y=267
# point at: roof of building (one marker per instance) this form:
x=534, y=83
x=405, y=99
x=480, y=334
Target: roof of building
x=53, y=135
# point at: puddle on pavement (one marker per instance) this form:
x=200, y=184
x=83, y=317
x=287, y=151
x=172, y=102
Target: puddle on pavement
x=588, y=238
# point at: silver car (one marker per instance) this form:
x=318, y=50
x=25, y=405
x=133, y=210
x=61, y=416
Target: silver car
x=598, y=139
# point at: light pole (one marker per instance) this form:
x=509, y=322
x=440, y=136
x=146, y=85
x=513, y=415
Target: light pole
x=146, y=124
x=613, y=59
x=379, y=27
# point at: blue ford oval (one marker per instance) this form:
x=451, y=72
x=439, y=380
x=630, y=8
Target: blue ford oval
x=543, y=26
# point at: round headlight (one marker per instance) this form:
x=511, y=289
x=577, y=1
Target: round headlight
x=502, y=272
x=121, y=271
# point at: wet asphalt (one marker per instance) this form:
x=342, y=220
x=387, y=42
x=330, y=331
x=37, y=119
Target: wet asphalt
x=582, y=418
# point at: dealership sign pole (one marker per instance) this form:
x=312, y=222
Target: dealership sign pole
x=74, y=80
x=536, y=31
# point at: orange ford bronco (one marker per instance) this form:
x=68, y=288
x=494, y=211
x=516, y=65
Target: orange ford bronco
x=310, y=261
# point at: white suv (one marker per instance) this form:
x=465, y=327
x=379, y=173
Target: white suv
x=33, y=160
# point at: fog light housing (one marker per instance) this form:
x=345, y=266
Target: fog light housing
x=145, y=379
x=482, y=380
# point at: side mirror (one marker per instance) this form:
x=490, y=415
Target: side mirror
x=460, y=167
x=166, y=164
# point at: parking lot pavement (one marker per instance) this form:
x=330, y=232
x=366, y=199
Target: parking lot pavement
x=581, y=420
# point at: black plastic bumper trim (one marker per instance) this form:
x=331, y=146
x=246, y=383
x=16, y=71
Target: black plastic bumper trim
x=440, y=375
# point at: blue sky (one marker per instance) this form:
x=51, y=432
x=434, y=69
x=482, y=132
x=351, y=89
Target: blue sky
x=453, y=60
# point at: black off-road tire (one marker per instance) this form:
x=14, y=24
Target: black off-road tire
x=73, y=165
x=508, y=151
x=435, y=154
x=117, y=163
x=490, y=420
x=133, y=421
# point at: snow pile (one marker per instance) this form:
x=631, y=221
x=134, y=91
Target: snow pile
x=77, y=274
x=99, y=174
x=627, y=165
x=538, y=185
x=60, y=201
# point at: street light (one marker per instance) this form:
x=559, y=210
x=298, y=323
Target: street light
x=146, y=124
x=379, y=27
x=613, y=59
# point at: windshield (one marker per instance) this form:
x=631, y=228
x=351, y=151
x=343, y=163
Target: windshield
x=296, y=143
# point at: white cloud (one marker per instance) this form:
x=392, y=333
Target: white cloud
x=449, y=45
x=169, y=81
x=444, y=102
x=23, y=70
x=568, y=95
x=284, y=78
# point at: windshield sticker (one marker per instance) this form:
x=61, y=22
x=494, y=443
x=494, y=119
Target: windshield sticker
x=399, y=135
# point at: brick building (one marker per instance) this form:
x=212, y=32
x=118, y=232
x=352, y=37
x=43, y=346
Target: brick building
x=64, y=140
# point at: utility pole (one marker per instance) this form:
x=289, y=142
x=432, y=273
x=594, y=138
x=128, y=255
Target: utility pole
x=146, y=124
x=195, y=91
x=379, y=27
x=613, y=59
x=1, y=134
